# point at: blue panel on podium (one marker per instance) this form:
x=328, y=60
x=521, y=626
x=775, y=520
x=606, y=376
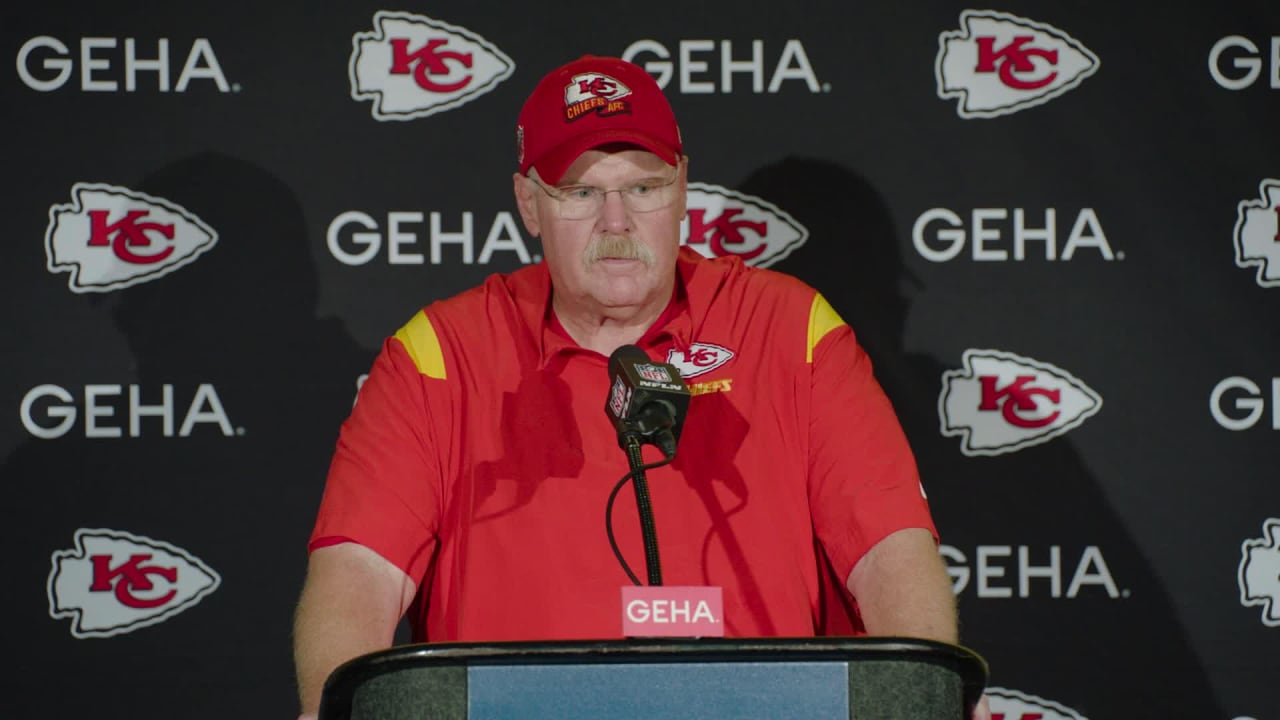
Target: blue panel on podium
x=745, y=691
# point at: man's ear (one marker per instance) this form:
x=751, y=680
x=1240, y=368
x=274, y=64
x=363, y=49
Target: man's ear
x=527, y=203
x=683, y=175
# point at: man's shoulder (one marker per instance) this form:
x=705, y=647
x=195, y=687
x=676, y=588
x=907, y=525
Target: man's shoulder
x=502, y=306
x=739, y=307
x=496, y=287
x=729, y=279
x=500, y=296
x=494, y=319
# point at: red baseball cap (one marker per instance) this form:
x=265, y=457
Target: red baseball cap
x=590, y=102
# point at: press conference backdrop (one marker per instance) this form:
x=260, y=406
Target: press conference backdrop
x=1054, y=227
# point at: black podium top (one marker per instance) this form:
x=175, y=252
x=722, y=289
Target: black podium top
x=363, y=672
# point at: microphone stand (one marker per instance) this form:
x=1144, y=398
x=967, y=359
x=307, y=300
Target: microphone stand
x=647, y=530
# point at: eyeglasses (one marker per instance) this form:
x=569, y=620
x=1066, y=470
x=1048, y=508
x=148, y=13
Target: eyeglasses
x=579, y=202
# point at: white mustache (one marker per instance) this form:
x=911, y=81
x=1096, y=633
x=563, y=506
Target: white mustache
x=619, y=247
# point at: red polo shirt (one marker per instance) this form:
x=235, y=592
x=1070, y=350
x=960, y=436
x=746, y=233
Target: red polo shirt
x=479, y=460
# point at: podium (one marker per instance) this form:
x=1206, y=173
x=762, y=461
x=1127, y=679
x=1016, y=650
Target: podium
x=745, y=679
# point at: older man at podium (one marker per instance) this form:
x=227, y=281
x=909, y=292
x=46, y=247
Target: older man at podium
x=469, y=488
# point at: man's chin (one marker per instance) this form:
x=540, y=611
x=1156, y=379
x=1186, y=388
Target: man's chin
x=622, y=289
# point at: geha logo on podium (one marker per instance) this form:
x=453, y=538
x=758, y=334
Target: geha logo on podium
x=672, y=611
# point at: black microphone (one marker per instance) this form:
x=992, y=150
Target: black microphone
x=647, y=400
x=646, y=404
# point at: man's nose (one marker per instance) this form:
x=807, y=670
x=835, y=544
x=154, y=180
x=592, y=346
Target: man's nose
x=614, y=215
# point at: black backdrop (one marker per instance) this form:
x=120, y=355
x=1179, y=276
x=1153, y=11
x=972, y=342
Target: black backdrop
x=1053, y=225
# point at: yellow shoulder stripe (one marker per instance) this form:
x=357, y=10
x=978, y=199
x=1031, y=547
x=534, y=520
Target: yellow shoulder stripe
x=420, y=341
x=822, y=320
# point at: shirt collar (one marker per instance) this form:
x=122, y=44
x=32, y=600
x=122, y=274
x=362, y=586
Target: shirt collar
x=697, y=281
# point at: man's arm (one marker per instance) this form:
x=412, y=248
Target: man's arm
x=902, y=588
x=351, y=602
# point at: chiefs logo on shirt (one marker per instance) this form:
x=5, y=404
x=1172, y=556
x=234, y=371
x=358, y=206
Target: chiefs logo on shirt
x=699, y=359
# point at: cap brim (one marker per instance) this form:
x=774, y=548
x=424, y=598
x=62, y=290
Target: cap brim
x=553, y=164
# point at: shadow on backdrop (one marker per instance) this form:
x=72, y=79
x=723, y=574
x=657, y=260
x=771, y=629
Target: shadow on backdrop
x=1102, y=656
x=241, y=321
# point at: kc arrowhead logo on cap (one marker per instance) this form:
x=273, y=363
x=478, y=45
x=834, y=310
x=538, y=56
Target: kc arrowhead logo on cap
x=595, y=92
x=590, y=102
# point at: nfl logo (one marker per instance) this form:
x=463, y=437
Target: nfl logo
x=618, y=398
x=656, y=373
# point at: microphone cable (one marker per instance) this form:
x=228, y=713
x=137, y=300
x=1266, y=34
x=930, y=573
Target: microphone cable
x=636, y=473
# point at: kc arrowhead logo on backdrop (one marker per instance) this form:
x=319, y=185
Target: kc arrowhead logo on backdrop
x=114, y=582
x=111, y=237
x=725, y=222
x=1259, y=573
x=1257, y=235
x=1014, y=705
x=998, y=64
x=1001, y=402
x=412, y=66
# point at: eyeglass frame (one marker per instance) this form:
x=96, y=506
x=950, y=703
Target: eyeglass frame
x=604, y=193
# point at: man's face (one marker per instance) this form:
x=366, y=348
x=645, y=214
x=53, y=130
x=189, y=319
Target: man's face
x=616, y=258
